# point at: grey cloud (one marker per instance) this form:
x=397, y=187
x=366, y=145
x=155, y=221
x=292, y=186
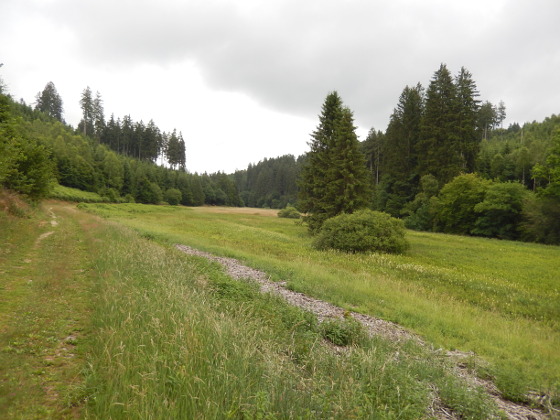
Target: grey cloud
x=289, y=54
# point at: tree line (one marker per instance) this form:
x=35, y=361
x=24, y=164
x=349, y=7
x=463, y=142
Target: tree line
x=444, y=153
x=135, y=139
x=444, y=164
x=38, y=149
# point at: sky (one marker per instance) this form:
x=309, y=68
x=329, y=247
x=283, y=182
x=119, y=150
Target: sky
x=245, y=80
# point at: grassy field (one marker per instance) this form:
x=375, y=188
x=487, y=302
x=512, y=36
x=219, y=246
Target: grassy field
x=99, y=321
x=498, y=299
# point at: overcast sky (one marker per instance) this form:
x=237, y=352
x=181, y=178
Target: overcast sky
x=245, y=79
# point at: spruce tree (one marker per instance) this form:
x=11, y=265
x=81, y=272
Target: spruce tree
x=349, y=187
x=438, y=148
x=334, y=178
x=313, y=181
x=86, y=103
x=98, y=116
x=50, y=102
x=399, y=168
x=468, y=108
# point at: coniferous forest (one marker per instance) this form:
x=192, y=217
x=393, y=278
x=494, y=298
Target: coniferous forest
x=445, y=162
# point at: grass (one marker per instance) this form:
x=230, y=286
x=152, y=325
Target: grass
x=499, y=299
x=60, y=192
x=176, y=338
x=43, y=315
x=158, y=334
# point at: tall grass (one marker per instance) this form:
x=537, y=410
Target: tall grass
x=176, y=338
x=499, y=299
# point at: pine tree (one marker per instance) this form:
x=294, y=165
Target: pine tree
x=399, y=168
x=313, y=181
x=372, y=149
x=349, y=187
x=468, y=108
x=98, y=117
x=176, y=151
x=439, y=144
x=334, y=178
x=50, y=102
x=86, y=103
x=487, y=119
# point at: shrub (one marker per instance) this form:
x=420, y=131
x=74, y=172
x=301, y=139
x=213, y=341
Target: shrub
x=458, y=199
x=500, y=214
x=173, y=196
x=111, y=194
x=289, y=212
x=363, y=231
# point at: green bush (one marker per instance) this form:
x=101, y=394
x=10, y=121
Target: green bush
x=173, y=196
x=363, y=231
x=289, y=212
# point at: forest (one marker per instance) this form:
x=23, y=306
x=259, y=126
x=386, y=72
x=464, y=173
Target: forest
x=444, y=163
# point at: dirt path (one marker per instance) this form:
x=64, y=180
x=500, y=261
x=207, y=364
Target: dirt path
x=374, y=326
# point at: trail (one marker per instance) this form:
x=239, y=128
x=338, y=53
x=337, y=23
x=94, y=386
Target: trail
x=374, y=326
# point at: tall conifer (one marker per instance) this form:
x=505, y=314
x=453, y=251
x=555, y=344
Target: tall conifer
x=468, y=106
x=439, y=150
x=50, y=102
x=334, y=178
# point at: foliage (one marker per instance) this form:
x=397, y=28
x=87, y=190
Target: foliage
x=422, y=211
x=363, y=231
x=458, y=199
x=399, y=164
x=549, y=172
x=173, y=196
x=541, y=220
x=148, y=192
x=26, y=165
x=500, y=213
x=290, y=212
x=439, y=153
x=269, y=183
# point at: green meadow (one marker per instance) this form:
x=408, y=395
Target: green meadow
x=102, y=322
x=499, y=300
x=103, y=318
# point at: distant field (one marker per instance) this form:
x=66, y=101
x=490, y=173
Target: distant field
x=498, y=299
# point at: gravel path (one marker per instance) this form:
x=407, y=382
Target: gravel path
x=374, y=326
